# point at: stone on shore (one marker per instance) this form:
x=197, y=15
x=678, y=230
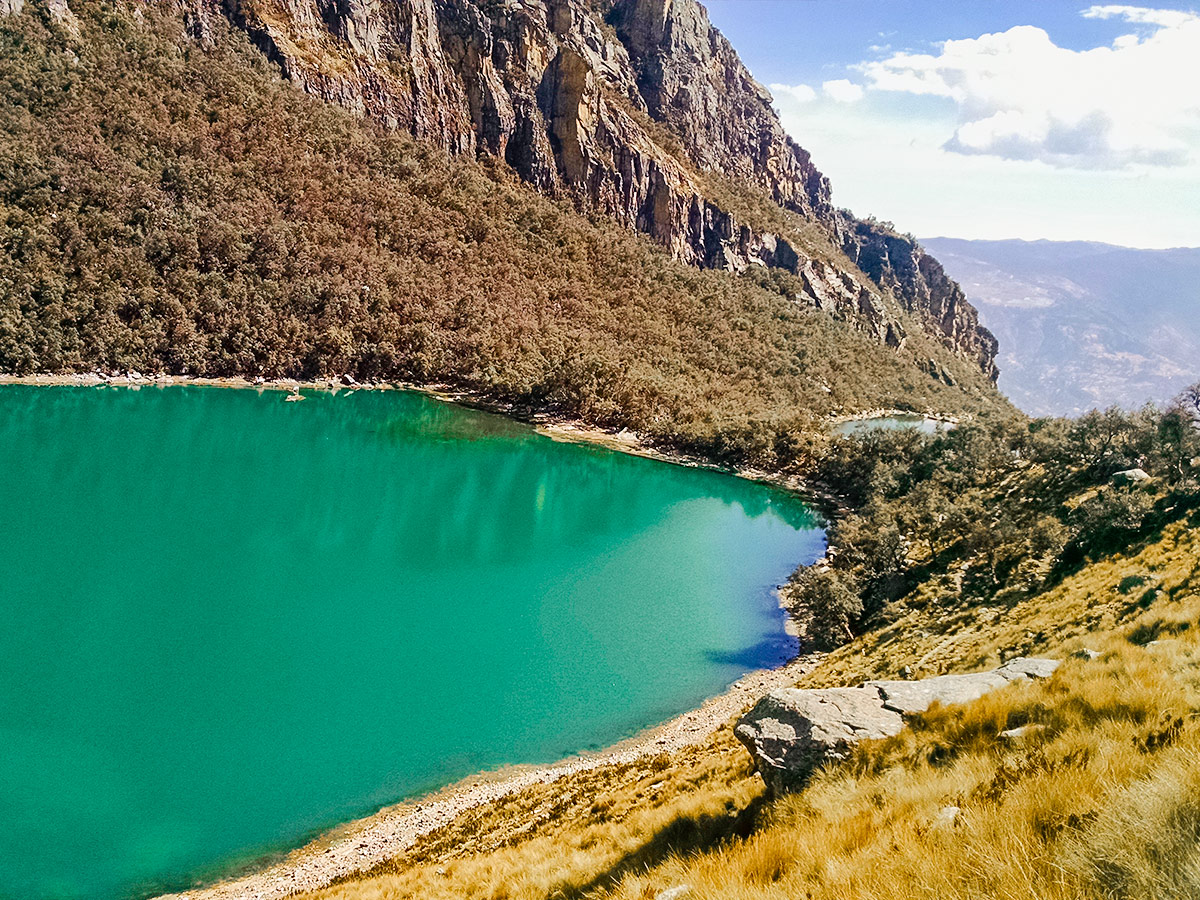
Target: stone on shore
x=792, y=731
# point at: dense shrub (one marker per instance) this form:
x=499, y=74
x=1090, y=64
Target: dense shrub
x=167, y=206
x=994, y=510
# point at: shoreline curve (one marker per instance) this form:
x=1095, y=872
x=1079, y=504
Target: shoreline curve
x=361, y=844
x=365, y=843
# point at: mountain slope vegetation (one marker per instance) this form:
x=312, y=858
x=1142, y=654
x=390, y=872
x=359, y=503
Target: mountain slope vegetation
x=169, y=204
x=1095, y=797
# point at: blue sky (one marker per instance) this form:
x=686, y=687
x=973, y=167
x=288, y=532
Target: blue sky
x=991, y=119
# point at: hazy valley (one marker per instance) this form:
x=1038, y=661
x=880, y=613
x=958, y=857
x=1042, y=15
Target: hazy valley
x=1083, y=325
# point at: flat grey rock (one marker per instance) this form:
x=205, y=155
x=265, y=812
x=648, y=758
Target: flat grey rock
x=790, y=731
x=1027, y=667
x=917, y=696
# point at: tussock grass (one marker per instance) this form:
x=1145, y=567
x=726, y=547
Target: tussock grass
x=1037, y=818
x=1099, y=799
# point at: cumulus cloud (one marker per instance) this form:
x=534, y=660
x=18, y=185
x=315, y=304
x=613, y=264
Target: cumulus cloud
x=801, y=93
x=1170, y=18
x=1021, y=96
x=842, y=90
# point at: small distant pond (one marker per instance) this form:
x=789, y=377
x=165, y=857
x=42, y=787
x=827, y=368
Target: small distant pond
x=892, y=423
x=232, y=621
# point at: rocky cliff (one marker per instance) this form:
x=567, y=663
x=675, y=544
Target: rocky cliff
x=638, y=109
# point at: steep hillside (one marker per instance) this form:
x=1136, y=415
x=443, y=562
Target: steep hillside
x=167, y=203
x=638, y=109
x=1083, y=325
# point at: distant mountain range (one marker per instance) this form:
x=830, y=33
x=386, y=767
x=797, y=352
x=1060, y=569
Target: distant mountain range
x=1082, y=324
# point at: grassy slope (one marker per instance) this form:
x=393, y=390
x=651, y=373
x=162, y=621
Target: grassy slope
x=1104, y=802
x=166, y=207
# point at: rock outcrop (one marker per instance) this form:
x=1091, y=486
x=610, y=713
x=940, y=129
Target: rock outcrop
x=791, y=731
x=638, y=109
x=919, y=282
x=564, y=100
x=691, y=78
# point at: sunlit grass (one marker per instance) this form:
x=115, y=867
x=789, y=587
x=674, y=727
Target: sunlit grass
x=1100, y=799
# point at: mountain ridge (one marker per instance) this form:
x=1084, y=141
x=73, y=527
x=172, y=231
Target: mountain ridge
x=638, y=109
x=1084, y=323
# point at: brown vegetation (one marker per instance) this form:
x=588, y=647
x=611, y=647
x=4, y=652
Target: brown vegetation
x=172, y=206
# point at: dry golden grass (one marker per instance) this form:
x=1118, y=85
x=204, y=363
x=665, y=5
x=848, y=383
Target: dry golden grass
x=1100, y=799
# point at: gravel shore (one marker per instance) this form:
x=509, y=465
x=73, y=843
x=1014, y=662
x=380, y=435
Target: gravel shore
x=387, y=834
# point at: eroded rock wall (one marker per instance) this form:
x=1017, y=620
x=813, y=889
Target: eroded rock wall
x=631, y=108
x=897, y=263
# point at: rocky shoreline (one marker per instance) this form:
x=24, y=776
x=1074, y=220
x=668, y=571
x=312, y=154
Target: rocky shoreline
x=361, y=845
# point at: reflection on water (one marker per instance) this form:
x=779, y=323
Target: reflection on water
x=231, y=620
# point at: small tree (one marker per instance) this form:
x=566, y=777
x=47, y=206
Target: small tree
x=1189, y=401
x=829, y=606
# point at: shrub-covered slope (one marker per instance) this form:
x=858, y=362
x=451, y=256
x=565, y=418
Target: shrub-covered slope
x=1097, y=799
x=168, y=204
x=637, y=109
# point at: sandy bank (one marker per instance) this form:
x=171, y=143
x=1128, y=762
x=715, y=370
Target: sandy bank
x=363, y=844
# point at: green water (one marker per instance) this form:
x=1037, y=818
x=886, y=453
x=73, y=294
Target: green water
x=230, y=621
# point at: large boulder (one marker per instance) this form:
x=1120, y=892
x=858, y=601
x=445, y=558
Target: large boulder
x=791, y=731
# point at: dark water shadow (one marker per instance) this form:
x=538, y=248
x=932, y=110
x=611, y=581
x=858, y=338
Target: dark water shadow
x=768, y=653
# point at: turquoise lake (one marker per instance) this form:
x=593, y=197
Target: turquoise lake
x=230, y=621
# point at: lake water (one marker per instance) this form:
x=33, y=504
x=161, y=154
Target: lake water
x=230, y=621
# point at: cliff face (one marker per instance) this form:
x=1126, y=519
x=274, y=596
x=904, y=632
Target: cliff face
x=921, y=284
x=633, y=110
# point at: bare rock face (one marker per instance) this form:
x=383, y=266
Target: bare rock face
x=630, y=114
x=692, y=79
x=790, y=732
x=59, y=11
x=920, y=283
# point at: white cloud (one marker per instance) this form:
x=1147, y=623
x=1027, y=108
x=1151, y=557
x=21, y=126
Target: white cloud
x=842, y=90
x=885, y=156
x=801, y=93
x=1020, y=96
x=1170, y=18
